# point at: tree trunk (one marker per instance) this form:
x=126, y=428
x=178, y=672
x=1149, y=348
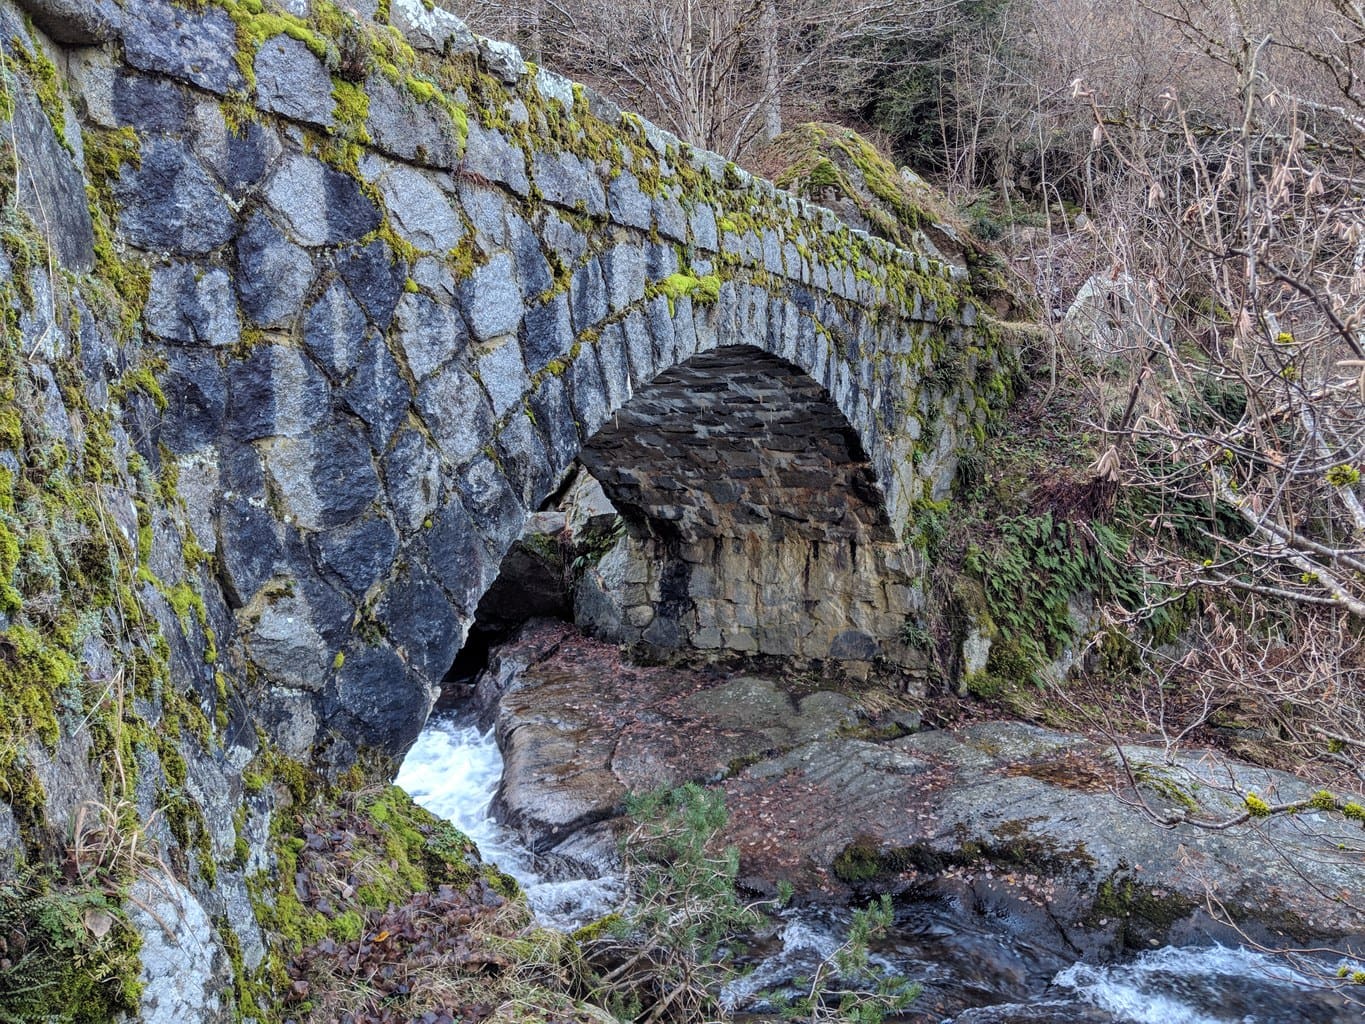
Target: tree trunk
x=768, y=30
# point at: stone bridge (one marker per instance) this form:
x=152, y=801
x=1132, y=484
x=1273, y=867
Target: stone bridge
x=395, y=281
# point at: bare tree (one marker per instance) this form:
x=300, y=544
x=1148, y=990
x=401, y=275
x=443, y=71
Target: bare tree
x=1238, y=409
x=724, y=74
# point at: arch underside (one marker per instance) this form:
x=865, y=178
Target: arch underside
x=755, y=522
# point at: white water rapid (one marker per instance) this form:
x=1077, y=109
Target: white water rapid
x=453, y=771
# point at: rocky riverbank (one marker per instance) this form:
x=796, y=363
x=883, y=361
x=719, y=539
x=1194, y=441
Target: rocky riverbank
x=840, y=793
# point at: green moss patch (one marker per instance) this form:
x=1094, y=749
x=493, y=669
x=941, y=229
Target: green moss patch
x=70, y=955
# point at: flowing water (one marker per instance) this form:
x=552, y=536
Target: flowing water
x=453, y=771
x=974, y=970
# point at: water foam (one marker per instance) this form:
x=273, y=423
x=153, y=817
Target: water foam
x=453, y=771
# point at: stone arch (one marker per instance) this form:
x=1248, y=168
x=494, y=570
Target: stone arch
x=377, y=357
x=756, y=523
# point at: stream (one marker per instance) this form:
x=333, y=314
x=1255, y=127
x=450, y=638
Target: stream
x=974, y=967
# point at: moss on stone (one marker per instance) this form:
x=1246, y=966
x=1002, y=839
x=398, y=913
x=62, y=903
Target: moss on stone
x=72, y=953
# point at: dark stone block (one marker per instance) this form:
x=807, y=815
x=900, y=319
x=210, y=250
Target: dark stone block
x=460, y=560
x=275, y=274
x=587, y=296
x=412, y=471
x=853, y=645
x=151, y=105
x=51, y=189
x=377, y=392
x=196, y=399
x=170, y=203
x=421, y=622
x=343, y=476
x=555, y=421
x=376, y=702
x=249, y=153
x=76, y=22
x=547, y=333
x=360, y=555
x=532, y=267
x=589, y=392
x=375, y=277
x=492, y=504
x=251, y=413
x=334, y=330
x=521, y=453
x=251, y=550
x=199, y=47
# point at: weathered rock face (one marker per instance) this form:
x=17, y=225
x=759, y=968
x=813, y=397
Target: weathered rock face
x=1014, y=811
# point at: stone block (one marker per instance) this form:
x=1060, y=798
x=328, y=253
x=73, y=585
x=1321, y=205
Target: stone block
x=624, y=269
x=291, y=81
x=404, y=127
x=376, y=391
x=639, y=349
x=196, y=399
x=151, y=105
x=491, y=502
x=853, y=645
x=570, y=182
x=670, y=217
x=502, y=59
x=491, y=298
x=490, y=154
x=199, y=47
x=433, y=29
x=324, y=480
x=533, y=268
x=170, y=203
x=707, y=639
x=359, y=554
x=375, y=276
x=612, y=359
x=588, y=392
x=192, y=304
x=547, y=333
x=740, y=640
x=421, y=212
x=587, y=296
x=76, y=22
x=421, y=623
x=412, y=470
x=430, y=333
x=275, y=274
x=521, y=452
x=320, y=205
x=457, y=412
x=554, y=418
x=628, y=205
x=503, y=374
x=377, y=702
x=334, y=329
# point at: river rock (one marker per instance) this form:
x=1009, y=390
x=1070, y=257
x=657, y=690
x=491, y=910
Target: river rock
x=844, y=804
x=580, y=728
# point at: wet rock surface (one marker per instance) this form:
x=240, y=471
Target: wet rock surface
x=1029, y=826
